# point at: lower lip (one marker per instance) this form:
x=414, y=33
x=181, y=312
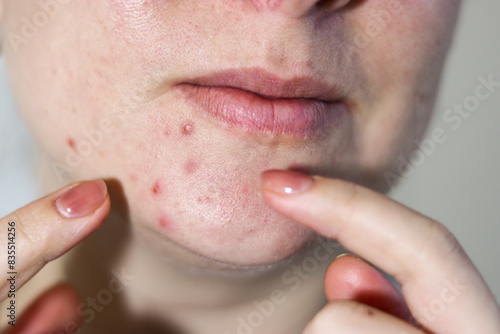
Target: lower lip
x=253, y=113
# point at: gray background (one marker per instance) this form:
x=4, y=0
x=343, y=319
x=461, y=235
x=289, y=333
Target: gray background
x=457, y=185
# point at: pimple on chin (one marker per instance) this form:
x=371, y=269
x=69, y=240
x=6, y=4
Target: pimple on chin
x=71, y=142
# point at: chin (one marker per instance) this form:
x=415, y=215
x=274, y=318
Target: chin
x=222, y=220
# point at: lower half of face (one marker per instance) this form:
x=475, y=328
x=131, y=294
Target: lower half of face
x=185, y=103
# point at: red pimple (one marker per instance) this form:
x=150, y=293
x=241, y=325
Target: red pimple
x=190, y=167
x=165, y=222
x=71, y=142
x=133, y=177
x=157, y=188
x=187, y=129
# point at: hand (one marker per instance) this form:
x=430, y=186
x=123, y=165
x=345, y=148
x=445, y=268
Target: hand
x=41, y=232
x=441, y=290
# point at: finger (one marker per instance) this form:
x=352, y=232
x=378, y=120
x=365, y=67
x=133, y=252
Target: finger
x=54, y=312
x=46, y=229
x=349, y=277
x=346, y=316
x=441, y=286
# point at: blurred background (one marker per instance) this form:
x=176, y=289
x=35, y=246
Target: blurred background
x=457, y=184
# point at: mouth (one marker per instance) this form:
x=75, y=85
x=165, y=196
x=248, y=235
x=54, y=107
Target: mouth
x=257, y=101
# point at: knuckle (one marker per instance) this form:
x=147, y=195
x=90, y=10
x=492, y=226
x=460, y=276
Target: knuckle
x=439, y=243
x=443, y=237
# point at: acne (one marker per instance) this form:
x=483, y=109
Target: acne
x=167, y=132
x=165, y=222
x=71, y=142
x=157, y=188
x=187, y=129
x=191, y=166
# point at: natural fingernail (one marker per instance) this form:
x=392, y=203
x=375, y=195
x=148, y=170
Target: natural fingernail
x=82, y=200
x=286, y=182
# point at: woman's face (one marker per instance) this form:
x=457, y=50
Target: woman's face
x=186, y=102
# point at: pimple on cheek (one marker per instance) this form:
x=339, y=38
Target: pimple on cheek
x=187, y=129
x=157, y=188
x=71, y=142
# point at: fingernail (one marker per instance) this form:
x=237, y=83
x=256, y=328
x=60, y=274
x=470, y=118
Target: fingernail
x=286, y=182
x=351, y=255
x=82, y=200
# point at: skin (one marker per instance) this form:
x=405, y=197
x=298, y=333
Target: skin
x=190, y=211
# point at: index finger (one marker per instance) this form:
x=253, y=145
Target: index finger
x=46, y=229
x=443, y=289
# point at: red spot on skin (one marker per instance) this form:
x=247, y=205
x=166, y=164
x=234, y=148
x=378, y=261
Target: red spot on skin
x=71, y=142
x=190, y=167
x=133, y=177
x=187, y=129
x=165, y=222
x=157, y=188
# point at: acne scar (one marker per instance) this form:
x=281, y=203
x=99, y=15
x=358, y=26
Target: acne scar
x=71, y=142
x=187, y=128
x=191, y=166
x=157, y=188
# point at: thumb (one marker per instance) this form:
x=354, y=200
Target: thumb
x=351, y=278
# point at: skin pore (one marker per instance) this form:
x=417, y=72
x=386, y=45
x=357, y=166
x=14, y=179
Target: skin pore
x=188, y=220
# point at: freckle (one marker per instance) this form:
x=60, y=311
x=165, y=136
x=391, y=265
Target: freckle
x=187, y=129
x=190, y=167
x=157, y=188
x=71, y=142
x=73, y=110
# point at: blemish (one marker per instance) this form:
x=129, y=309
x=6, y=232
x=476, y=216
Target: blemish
x=157, y=188
x=73, y=110
x=165, y=222
x=191, y=166
x=71, y=142
x=133, y=177
x=187, y=128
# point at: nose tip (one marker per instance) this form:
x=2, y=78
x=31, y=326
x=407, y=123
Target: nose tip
x=299, y=8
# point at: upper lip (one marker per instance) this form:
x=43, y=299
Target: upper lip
x=270, y=86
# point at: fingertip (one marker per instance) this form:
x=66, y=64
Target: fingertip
x=285, y=182
x=53, y=312
x=82, y=200
x=349, y=277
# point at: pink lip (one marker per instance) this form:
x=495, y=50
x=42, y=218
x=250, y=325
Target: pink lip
x=257, y=101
